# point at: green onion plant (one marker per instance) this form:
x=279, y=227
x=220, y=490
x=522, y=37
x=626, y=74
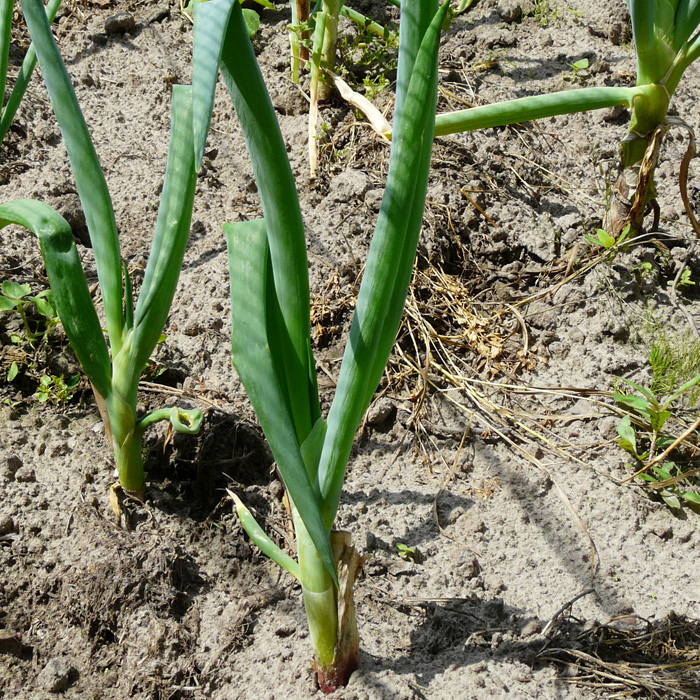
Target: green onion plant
x=667, y=41
x=133, y=329
x=7, y=114
x=271, y=344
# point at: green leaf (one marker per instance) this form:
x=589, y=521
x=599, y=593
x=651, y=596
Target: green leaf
x=262, y=541
x=283, y=221
x=71, y=294
x=5, y=32
x=170, y=237
x=44, y=307
x=89, y=178
x=627, y=435
x=12, y=373
x=211, y=19
x=671, y=500
x=691, y=497
x=605, y=239
x=658, y=419
x=392, y=251
x=8, y=304
x=682, y=389
x=249, y=270
x=252, y=21
x=25, y=73
x=636, y=403
x=14, y=290
x=642, y=390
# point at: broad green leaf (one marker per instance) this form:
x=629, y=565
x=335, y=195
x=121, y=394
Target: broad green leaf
x=280, y=205
x=628, y=440
x=249, y=268
x=671, y=500
x=658, y=418
x=14, y=290
x=170, y=237
x=71, y=294
x=210, y=21
x=392, y=251
x=89, y=178
x=8, y=304
x=12, y=373
x=44, y=307
x=636, y=403
x=252, y=21
x=605, y=239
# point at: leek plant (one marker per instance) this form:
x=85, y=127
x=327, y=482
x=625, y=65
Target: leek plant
x=271, y=344
x=667, y=41
x=8, y=113
x=133, y=330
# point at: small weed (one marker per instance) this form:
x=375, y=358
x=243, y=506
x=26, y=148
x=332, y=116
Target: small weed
x=543, y=13
x=604, y=240
x=405, y=552
x=16, y=297
x=579, y=72
x=55, y=390
x=656, y=451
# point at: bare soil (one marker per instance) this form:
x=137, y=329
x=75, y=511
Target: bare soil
x=490, y=451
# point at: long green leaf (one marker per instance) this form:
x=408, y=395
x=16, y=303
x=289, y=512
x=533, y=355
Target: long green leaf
x=5, y=33
x=534, y=107
x=89, y=178
x=71, y=294
x=249, y=268
x=388, y=271
x=23, y=77
x=285, y=229
x=170, y=237
x=210, y=21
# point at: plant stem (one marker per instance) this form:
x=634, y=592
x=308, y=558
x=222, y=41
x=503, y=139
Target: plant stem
x=320, y=600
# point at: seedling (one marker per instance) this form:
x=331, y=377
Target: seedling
x=576, y=68
x=271, y=343
x=55, y=390
x=604, y=240
x=405, y=552
x=133, y=329
x=16, y=297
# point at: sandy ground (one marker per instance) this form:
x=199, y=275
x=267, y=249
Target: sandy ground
x=493, y=457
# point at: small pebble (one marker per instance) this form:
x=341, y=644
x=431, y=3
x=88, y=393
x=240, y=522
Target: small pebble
x=6, y=524
x=119, y=23
x=12, y=464
x=531, y=627
x=57, y=675
x=25, y=475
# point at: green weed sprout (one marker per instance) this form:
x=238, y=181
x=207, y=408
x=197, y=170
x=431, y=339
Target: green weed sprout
x=658, y=470
x=133, y=331
x=667, y=41
x=271, y=344
x=8, y=113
